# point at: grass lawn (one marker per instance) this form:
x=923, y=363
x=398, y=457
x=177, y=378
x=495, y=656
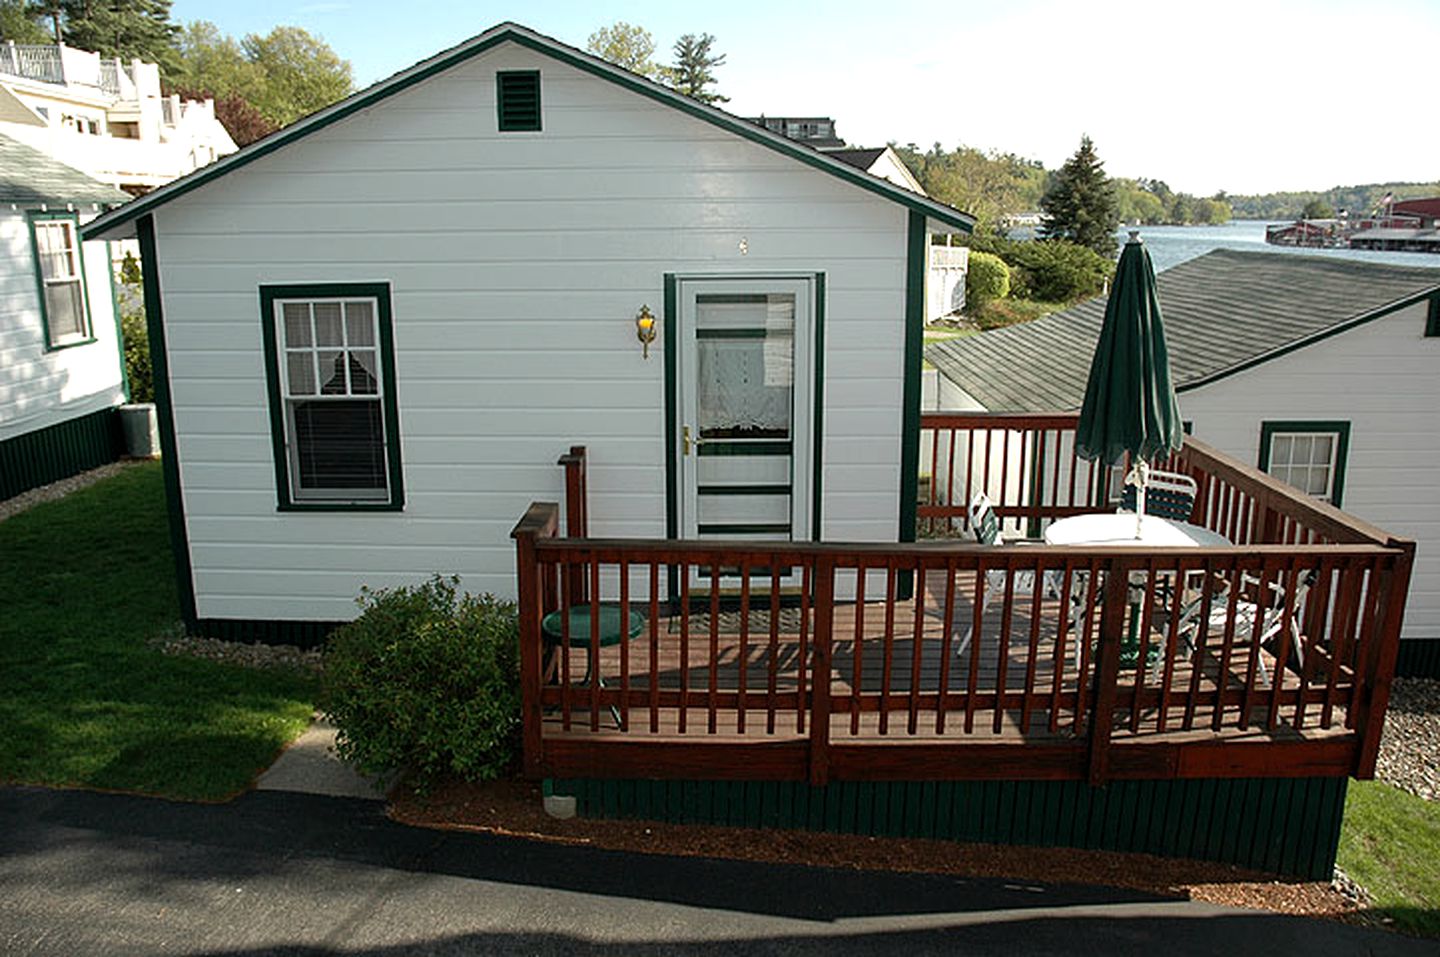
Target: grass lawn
x=1390, y=845
x=84, y=700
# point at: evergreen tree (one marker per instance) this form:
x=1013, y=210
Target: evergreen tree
x=1081, y=206
x=119, y=28
x=20, y=23
x=690, y=73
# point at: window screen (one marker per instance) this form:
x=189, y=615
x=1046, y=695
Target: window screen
x=62, y=286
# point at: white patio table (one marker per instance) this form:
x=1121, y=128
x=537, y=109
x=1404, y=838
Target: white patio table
x=1118, y=529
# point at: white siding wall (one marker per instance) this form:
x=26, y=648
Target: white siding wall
x=517, y=263
x=1384, y=378
x=40, y=388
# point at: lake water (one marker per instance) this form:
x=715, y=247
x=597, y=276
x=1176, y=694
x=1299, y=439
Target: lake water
x=1170, y=245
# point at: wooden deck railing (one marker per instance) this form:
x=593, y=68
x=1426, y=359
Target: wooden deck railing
x=950, y=660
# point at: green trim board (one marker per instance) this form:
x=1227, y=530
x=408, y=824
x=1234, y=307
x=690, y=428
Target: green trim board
x=670, y=321
x=302, y=634
x=1339, y=428
x=529, y=39
x=38, y=216
x=817, y=496
x=1432, y=317
x=395, y=473
x=1418, y=658
x=1287, y=826
x=743, y=490
x=59, y=451
x=916, y=266
x=517, y=101
x=165, y=414
x=744, y=528
x=721, y=447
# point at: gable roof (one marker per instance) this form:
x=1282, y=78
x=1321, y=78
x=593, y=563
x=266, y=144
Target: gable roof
x=112, y=225
x=1224, y=311
x=30, y=177
x=858, y=158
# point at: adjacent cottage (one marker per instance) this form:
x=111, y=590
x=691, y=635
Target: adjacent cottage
x=1321, y=371
x=375, y=331
x=62, y=372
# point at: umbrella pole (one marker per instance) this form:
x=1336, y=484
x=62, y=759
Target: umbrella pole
x=1138, y=477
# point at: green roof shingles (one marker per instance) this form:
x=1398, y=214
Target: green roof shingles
x=1222, y=310
x=29, y=177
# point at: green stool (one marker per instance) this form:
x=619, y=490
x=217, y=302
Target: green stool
x=610, y=633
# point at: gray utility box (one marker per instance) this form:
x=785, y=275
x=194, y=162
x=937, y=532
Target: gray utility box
x=142, y=430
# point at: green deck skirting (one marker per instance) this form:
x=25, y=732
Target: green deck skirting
x=1287, y=826
x=1418, y=658
x=304, y=634
x=59, y=451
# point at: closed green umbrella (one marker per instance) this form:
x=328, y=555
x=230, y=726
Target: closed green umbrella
x=1130, y=403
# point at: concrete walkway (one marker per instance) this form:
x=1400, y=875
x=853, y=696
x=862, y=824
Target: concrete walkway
x=311, y=766
x=288, y=873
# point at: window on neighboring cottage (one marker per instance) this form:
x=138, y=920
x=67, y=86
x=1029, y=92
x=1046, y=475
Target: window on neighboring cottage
x=60, y=270
x=1308, y=455
x=330, y=374
x=517, y=95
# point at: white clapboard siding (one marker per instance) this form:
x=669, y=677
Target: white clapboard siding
x=1384, y=379
x=41, y=387
x=517, y=263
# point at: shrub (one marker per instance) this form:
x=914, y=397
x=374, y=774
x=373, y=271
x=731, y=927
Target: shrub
x=426, y=679
x=1061, y=271
x=137, y=356
x=986, y=280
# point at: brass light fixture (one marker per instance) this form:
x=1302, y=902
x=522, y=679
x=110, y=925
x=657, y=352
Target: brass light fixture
x=645, y=329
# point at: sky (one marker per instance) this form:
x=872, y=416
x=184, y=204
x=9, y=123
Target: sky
x=1246, y=96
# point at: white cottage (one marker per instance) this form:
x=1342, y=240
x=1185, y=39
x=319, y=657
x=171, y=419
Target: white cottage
x=375, y=331
x=1324, y=372
x=62, y=372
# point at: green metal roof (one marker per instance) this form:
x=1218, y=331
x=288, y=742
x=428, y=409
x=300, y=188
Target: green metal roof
x=110, y=225
x=1224, y=311
x=29, y=177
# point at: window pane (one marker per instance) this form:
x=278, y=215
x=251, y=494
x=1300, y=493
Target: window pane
x=1280, y=450
x=1319, y=481
x=1320, y=454
x=297, y=324
x=340, y=445
x=359, y=324
x=64, y=310
x=327, y=324
x=301, y=372
x=1300, y=449
x=363, y=373
x=332, y=373
x=745, y=353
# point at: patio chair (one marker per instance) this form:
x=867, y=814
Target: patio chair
x=985, y=523
x=1167, y=495
x=1272, y=619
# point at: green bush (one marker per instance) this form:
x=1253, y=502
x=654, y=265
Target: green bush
x=1061, y=271
x=986, y=279
x=426, y=679
x=137, y=356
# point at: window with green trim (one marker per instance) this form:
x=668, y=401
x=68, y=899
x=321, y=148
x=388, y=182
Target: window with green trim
x=60, y=272
x=330, y=366
x=1308, y=455
x=517, y=96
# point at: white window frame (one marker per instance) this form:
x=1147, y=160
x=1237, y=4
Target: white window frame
x=1338, y=434
x=68, y=225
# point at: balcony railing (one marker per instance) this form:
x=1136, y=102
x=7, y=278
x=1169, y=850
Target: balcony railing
x=946, y=659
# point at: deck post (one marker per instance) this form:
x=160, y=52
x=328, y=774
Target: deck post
x=824, y=605
x=1380, y=666
x=1113, y=618
x=540, y=520
x=577, y=511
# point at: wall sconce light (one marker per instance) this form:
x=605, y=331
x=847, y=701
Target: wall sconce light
x=645, y=329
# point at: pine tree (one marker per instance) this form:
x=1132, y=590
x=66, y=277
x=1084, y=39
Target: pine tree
x=690, y=73
x=1081, y=205
x=119, y=28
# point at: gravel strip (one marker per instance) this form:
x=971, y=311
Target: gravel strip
x=1410, y=747
x=255, y=655
x=60, y=489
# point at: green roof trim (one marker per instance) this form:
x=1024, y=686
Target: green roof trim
x=1225, y=312
x=110, y=223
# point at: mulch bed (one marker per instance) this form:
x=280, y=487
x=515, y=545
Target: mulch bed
x=513, y=807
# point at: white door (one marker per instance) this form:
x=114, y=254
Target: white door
x=745, y=400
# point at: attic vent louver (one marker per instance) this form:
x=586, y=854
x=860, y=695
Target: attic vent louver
x=517, y=93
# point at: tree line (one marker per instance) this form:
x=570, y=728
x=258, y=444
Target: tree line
x=1322, y=204
x=259, y=82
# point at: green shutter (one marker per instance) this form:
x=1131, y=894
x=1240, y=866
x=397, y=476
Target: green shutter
x=517, y=95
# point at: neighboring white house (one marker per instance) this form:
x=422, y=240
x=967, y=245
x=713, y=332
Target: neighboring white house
x=1324, y=372
x=377, y=349
x=105, y=117
x=61, y=370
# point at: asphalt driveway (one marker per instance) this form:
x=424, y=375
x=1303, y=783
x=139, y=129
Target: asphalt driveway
x=277, y=872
